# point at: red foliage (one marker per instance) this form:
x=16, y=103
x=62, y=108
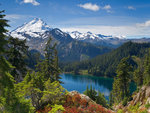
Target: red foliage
x=45, y=110
x=71, y=110
x=69, y=101
x=75, y=104
x=84, y=102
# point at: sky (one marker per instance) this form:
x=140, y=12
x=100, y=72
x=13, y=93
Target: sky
x=129, y=18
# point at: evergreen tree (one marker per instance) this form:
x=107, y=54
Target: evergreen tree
x=49, y=66
x=10, y=102
x=43, y=87
x=122, y=80
x=3, y=24
x=98, y=97
x=147, y=69
x=16, y=56
x=138, y=74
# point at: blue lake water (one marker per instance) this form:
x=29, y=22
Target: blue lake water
x=80, y=83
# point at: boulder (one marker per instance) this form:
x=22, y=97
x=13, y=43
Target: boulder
x=88, y=99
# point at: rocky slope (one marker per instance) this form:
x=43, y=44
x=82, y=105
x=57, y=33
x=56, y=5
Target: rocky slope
x=139, y=104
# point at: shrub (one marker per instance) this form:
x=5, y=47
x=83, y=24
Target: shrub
x=56, y=108
x=147, y=105
x=125, y=100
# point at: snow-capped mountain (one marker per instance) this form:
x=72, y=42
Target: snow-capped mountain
x=38, y=32
x=35, y=28
x=91, y=36
x=98, y=39
x=71, y=46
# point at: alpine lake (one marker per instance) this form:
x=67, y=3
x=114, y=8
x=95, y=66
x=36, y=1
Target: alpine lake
x=80, y=82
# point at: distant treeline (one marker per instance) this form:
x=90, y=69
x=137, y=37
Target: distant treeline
x=105, y=65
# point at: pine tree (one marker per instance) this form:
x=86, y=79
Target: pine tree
x=10, y=102
x=49, y=66
x=138, y=74
x=147, y=69
x=122, y=80
x=16, y=56
x=98, y=97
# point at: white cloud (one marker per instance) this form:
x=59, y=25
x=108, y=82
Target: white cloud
x=95, y=7
x=14, y=16
x=17, y=16
x=90, y=6
x=33, y=2
x=131, y=8
x=107, y=8
x=128, y=31
x=145, y=24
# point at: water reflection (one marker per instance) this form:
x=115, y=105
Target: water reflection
x=80, y=82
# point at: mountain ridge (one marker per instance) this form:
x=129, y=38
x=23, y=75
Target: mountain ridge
x=68, y=48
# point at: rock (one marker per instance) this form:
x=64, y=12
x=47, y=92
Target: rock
x=72, y=93
x=143, y=88
x=117, y=107
x=88, y=99
x=85, y=97
x=142, y=95
x=134, y=97
x=148, y=100
x=147, y=94
x=137, y=99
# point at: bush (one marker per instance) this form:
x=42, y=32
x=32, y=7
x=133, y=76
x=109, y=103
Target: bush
x=125, y=100
x=56, y=108
x=147, y=105
x=98, y=97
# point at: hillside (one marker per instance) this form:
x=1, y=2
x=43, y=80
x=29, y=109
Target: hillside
x=140, y=102
x=105, y=65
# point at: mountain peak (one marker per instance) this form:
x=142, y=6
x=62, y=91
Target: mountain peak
x=37, y=20
x=34, y=28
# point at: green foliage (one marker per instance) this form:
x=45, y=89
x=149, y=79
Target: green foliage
x=134, y=109
x=106, y=64
x=145, y=111
x=10, y=101
x=33, y=57
x=16, y=55
x=101, y=100
x=125, y=101
x=70, y=51
x=147, y=105
x=49, y=66
x=122, y=81
x=54, y=93
x=147, y=69
x=57, y=108
x=43, y=87
x=98, y=97
x=120, y=111
x=40, y=91
x=3, y=24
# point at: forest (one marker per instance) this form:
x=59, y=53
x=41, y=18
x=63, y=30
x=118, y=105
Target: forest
x=106, y=64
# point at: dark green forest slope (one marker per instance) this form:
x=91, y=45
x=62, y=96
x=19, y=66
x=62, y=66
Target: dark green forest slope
x=105, y=65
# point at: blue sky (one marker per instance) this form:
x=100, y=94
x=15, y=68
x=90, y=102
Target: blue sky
x=130, y=18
